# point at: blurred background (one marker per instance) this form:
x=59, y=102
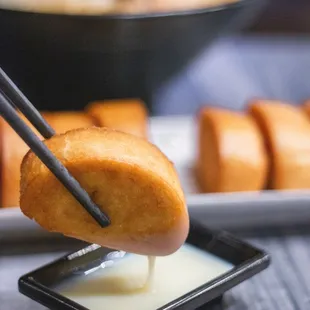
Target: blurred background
x=267, y=57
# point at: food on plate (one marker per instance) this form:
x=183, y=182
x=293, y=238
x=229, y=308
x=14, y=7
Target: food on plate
x=130, y=179
x=68, y=120
x=306, y=107
x=13, y=149
x=231, y=152
x=286, y=130
x=126, y=115
x=108, y=6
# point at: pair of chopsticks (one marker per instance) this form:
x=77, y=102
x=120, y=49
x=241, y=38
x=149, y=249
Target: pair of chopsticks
x=10, y=98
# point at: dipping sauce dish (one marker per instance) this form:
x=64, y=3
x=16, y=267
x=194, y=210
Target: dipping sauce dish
x=208, y=265
x=122, y=286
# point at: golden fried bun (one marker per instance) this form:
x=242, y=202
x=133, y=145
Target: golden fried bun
x=13, y=149
x=67, y=120
x=127, y=177
x=231, y=154
x=306, y=107
x=286, y=131
x=126, y=115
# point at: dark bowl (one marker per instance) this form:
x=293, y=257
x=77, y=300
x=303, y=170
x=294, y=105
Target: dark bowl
x=65, y=61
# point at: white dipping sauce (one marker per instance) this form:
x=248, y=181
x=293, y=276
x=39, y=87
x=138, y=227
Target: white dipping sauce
x=122, y=286
x=151, y=272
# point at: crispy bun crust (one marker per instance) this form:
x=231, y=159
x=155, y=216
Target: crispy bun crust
x=286, y=130
x=231, y=155
x=126, y=115
x=127, y=177
x=68, y=120
x=13, y=149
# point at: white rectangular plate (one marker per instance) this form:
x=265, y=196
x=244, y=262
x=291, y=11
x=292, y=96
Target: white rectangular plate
x=176, y=137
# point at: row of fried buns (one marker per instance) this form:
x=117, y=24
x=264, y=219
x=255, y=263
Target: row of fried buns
x=267, y=146
x=137, y=186
x=124, y=115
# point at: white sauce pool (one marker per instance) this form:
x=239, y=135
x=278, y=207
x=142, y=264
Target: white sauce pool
x=123, y=286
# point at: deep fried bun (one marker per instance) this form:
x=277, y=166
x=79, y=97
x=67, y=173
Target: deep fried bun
x=127, y=177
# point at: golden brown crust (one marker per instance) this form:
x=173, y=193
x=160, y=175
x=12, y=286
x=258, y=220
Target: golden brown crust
x=126, y=115
x=130, y=179
x=286, y=130
x=306, y=107
x=231, y=155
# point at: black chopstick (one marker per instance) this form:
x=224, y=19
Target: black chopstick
x=25, y=106
x=9, y=113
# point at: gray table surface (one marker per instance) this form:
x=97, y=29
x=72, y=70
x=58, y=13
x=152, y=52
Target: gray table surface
x=228, y=74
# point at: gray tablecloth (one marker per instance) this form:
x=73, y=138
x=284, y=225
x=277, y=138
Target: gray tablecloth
x=285, y=285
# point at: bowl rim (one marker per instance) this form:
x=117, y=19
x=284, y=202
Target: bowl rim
x=136, y=16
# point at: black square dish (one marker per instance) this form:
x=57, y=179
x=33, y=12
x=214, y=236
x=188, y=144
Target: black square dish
x=40, y=285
